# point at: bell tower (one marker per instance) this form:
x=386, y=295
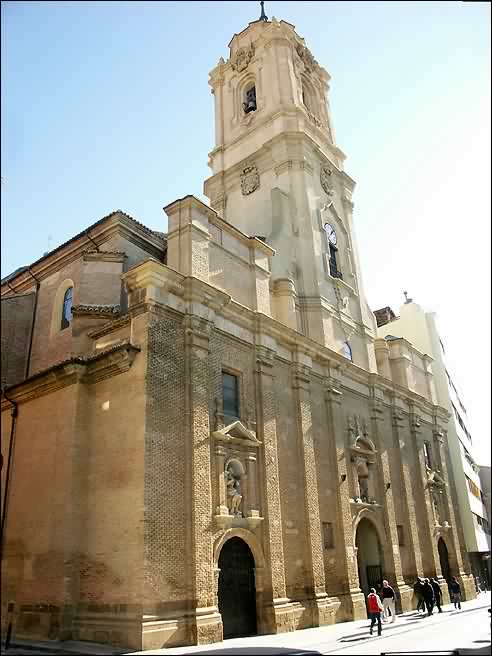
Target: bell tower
x=277, y=173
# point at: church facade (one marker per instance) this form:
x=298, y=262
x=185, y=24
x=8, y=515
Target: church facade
x=202, y=434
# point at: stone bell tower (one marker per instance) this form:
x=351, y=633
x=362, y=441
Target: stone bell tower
x=278, y=175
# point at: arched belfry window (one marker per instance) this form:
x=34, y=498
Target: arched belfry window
x=249, y=104
x=66, y=315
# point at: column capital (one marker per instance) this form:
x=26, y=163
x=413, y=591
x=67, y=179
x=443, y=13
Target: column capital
x=265, y=360
x=197, y=331
x=301, y=376
x=332, y=390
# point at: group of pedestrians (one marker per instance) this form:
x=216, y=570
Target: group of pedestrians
x=428, y=592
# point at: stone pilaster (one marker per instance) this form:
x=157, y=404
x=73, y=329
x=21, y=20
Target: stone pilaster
x=464, y=577
x=385, y=497
x=74, y=538
x=207, y=623
x=402, y=437
x=324, y=608
x=431, y=561
x=351, y=596
x=279, y=615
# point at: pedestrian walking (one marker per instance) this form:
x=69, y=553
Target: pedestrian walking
x=388, y=597
x=417, y=589
x=374, y=607
x=455, y=590
x=428, y=593
x=437, y=593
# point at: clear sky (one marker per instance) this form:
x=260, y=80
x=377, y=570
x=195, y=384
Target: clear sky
x=106, y=105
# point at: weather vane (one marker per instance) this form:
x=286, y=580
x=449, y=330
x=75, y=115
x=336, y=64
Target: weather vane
x=263, y=16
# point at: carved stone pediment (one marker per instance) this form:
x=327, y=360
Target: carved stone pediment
x=236, y=433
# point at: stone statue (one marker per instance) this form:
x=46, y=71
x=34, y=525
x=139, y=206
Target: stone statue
x=234, y=493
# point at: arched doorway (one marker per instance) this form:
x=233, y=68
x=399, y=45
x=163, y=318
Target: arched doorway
x=237, y=594
x=444, y=559
x=369, y=556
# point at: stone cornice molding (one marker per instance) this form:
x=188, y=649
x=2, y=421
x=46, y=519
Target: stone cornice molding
x=88, y=370
x=261, y=324
x=301, y=376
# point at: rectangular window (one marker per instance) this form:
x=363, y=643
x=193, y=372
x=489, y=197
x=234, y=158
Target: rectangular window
x=401, y=535
x=328, y=535
x=230, y=394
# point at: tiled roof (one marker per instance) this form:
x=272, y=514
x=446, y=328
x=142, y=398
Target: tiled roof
x=154, y=233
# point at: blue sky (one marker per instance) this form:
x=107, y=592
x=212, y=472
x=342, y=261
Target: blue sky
x=106, y=105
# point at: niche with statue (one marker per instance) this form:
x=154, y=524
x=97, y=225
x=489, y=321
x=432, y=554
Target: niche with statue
x=236, y=456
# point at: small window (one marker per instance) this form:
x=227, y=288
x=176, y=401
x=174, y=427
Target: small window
x=328, y=541
x=230, y=394
x=401, y=535
x=347, y=351
x=67, y=308
x=249, y=104
x=428, y=455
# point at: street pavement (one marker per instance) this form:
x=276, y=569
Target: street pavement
x=467, y=630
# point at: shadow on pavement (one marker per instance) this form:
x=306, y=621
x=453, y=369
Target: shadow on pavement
x=260, y=651
x=354, y=637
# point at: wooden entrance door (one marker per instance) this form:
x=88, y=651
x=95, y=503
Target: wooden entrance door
x=237, y=595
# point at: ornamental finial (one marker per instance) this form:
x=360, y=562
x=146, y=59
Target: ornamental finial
x=263, y=16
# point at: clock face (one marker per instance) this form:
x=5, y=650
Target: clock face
x=332, y=235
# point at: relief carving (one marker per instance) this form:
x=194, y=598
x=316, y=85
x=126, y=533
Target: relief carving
x=242, y=58
x=250, y=179
x=325, y=179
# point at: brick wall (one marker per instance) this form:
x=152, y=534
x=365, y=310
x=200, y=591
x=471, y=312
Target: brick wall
x=16, y=313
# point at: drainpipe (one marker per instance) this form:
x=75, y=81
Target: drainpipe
x=28, y=361
x=14, y=413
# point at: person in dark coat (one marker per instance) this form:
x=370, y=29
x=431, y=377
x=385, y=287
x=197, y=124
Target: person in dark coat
x=417, y=589
x=428, y=594
x=437, y=593
x=455, y=591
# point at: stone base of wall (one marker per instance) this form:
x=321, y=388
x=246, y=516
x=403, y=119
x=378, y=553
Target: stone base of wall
x=468, y=588
x=406, y=598
x=352, y=607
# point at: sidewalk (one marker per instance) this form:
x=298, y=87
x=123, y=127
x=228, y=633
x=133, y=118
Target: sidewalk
x=326, y=639
x=318, y=640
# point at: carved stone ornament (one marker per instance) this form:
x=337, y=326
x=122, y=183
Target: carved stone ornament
x=307, y=58
x=242, y=58
x=325, y=179
x=250, y=179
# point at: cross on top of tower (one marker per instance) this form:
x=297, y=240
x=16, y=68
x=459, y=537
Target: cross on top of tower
x=263, y=16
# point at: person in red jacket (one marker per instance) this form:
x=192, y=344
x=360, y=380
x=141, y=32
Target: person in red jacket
x=374, y=607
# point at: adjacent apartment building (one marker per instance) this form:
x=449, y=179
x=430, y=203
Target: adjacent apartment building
x=420, y=328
